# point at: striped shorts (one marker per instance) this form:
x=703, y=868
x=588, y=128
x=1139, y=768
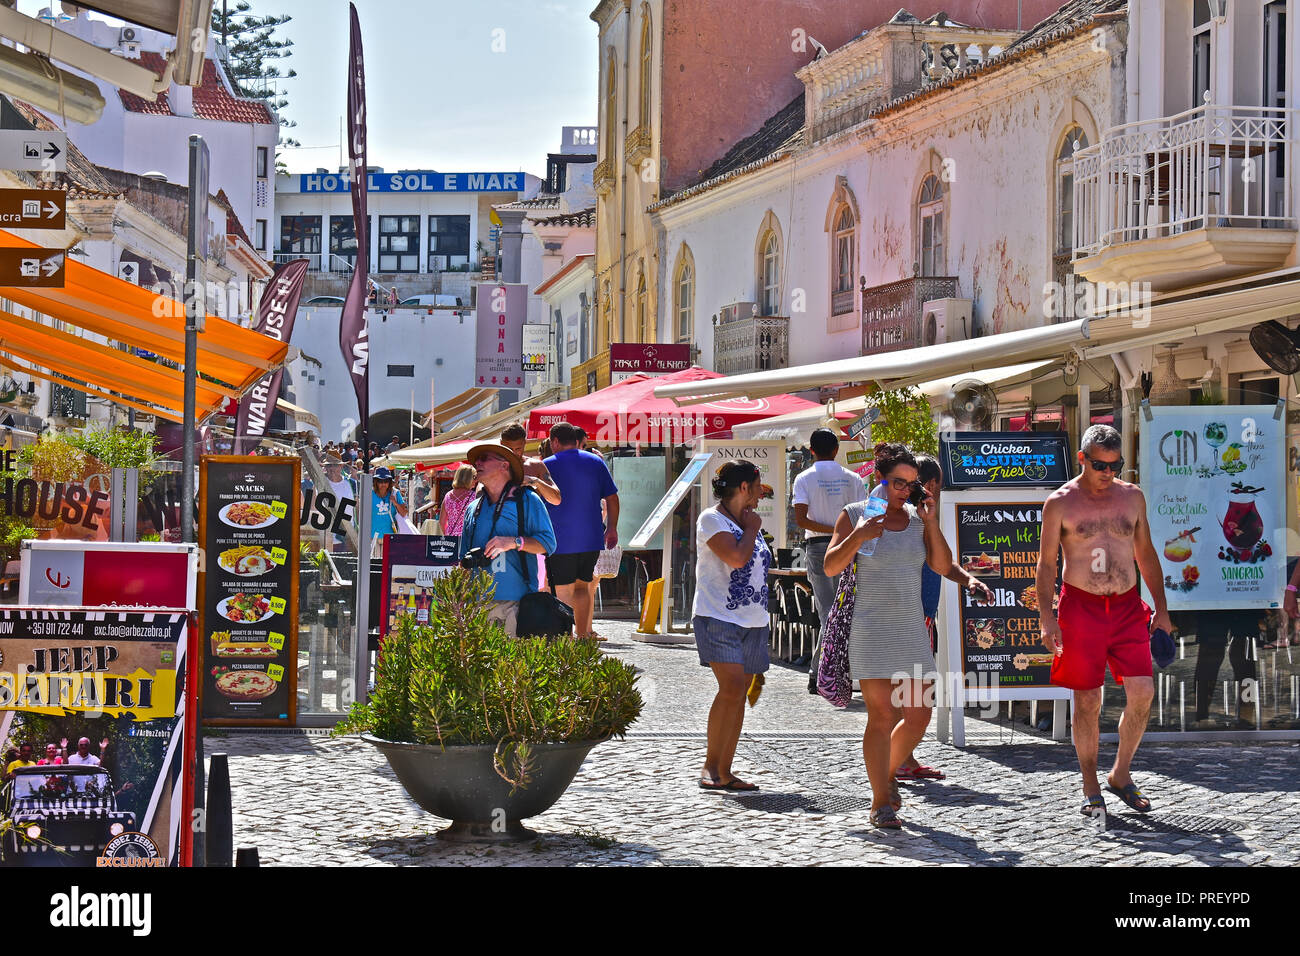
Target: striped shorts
x=721, y=642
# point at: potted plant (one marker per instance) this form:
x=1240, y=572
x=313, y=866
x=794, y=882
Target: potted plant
x=483, y=729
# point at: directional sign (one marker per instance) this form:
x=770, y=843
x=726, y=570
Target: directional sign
x=33, y=151
x=33, y=208
x=31, y=267
x=863, y=423
x=129, y=271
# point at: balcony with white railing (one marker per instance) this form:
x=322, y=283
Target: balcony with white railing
x=754, y=343
x=1185, y=199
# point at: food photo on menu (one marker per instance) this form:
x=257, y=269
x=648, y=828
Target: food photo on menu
x=986, y=633
x=982, y=565
x=248, y=514
x=243, y=682
x=249, y=560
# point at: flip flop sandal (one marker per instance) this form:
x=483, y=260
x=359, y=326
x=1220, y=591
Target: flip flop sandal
x=885, y=818
x=1130, y=794
x=712, y=784
x=1096, y=804
x=927, y=773
x=905, y=774
x=736, y=785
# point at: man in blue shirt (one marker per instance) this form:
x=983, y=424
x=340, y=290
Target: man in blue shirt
x=492, y=524
x=584, y=482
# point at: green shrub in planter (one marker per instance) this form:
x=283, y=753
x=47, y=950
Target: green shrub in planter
x=461, y=680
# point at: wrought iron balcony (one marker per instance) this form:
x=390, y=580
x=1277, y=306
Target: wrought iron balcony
x=1190, y=198
x=754, y=343
x=891, y=313
x=637, y=147
x=602, y=177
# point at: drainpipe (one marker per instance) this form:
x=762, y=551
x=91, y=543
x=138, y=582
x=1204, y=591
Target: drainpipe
x=1133, y=59
x=622, y=196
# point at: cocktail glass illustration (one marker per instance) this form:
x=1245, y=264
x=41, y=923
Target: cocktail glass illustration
x=1216, y=433
x=1242, y=524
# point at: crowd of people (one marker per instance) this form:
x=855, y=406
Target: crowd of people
x=878, y=560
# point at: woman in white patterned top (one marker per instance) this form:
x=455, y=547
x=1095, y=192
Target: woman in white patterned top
x=889, y=643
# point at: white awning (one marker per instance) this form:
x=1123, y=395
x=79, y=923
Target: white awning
x=801, y=424
x=904, y=367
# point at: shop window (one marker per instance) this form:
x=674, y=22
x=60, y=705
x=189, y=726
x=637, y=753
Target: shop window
x=399, y=243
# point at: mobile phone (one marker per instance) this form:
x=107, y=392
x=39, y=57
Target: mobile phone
x=918, y=494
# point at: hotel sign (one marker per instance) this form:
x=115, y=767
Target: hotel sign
x=414, y=181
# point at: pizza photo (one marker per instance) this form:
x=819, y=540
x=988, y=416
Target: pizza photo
x=982, y=565
x=244, y=685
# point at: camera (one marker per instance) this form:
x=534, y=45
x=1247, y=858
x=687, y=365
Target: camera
x=475, y=559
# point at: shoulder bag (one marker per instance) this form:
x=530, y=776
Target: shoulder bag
x=541, y=614
x=833, y=681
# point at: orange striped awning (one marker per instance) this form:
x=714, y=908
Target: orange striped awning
x=110, y=317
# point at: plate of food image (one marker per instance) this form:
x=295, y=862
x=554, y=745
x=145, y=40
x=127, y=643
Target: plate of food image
x=246, y=561
x=982, y=564
x=248, y=514
x=244, y=685
x=986, y=632
x=245, y=608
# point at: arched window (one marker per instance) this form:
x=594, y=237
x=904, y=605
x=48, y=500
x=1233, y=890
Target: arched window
x=844, y=257
x=644, y=321
x=611, y=107
x=769, y=298
x=684, y=296
x=1075, y=138
x=643, y=116
x=841, y=230
x=930, y=227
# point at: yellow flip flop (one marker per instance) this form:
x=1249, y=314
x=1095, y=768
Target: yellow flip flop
x=755, y=689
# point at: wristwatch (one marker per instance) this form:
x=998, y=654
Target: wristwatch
x=519, y=544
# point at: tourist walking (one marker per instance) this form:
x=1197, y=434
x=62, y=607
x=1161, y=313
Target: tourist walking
x=729, y=615
x=1099, y=525
x=493, y=529
x=820, y=493
x=584, y=482
x=889, y=644
x=456, y=501
x=386, y=504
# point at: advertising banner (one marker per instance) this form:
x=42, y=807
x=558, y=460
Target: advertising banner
x=275, y=315
x=1006, y=460
x=108, y=573
x=411, y=562
x=248, y=615
x=1215, y=484
x=94, y=702
x=536, y=346
x=500, y=315
x=1000, y=642
x=353, y=329
x=769, y=456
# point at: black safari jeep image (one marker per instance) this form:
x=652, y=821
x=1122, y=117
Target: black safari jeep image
x=59, y=816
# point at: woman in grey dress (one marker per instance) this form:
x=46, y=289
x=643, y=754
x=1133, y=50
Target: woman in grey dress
x=889, y=644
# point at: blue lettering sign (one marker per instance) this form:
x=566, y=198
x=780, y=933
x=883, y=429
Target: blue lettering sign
x=414, y=181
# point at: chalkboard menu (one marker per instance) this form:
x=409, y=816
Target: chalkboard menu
x=1000, y=642
x=1006, y=460
x=248, y=616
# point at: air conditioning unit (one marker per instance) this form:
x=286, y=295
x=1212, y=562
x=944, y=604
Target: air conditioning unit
x=737, y=310
x=945, y=320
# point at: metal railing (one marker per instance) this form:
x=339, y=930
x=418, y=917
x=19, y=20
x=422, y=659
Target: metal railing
x=891, y=313
x=755, y=343
x=1207, y=167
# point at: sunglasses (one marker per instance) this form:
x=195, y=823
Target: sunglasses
x=1116, y=466
x=484, y=458
x=898, y=484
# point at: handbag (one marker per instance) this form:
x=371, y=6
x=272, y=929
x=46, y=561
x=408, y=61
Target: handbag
x=833, y=681
x=541, y=613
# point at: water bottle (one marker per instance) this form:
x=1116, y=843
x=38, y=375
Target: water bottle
x=874, y=506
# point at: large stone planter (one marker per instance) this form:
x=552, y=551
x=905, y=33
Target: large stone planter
x=460, y=784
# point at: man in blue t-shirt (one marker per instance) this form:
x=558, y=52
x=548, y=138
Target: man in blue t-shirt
x=584, y=482
x=492, y=524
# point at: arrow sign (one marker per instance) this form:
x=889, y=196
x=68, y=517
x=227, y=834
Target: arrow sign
x=31, y=267
x=863, y=423
x=33, y=208
x=33, y=151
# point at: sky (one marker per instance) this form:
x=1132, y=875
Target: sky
x=451, y=85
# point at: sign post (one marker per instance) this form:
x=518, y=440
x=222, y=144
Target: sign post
x=196, y=252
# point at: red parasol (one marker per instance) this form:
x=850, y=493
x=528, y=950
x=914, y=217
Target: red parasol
x=628, y=413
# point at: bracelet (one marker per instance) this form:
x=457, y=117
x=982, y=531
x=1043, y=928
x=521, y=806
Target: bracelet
x=1292, y=588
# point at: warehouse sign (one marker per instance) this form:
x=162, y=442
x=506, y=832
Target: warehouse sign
x=415, y=181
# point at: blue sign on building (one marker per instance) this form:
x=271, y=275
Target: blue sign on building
x=414, y=181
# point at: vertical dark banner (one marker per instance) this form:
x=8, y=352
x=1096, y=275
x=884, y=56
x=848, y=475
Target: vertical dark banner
x=352, y=323
x=275, y=315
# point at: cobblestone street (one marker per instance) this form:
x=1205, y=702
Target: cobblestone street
x=1010, y=798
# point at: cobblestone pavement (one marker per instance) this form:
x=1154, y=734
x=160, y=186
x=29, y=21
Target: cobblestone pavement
x=1010, y=798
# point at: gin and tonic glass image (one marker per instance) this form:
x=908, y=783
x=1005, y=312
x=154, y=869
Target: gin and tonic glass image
x=1216, y=433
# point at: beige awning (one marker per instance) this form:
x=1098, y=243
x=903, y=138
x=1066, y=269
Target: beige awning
x=467, y=402
x=300, y=415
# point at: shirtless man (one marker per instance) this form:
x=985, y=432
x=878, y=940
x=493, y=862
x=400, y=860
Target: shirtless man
x=1100, y=524
x=536, y=475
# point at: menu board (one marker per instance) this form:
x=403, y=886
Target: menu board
x=411, y=562
x=1000, y=642
x=1214, y=478
x=769, y=458
x=101, y=697
x=1005, y=460
x=248, y=529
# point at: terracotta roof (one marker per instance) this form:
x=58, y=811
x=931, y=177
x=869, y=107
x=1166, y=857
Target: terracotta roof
x=1073, y=17
x=580, y=219
x=233, y=226
x=570, y=266
x=541, y=202
x=82, y=178
x=211, y=99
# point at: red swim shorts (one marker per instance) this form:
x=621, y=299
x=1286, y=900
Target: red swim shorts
x=1101, y=629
